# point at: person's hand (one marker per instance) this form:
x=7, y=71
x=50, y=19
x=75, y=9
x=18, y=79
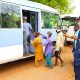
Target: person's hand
x=30, y=41
x=27, y=43
x=33, y=33
x=40, y=33
x=65, y=35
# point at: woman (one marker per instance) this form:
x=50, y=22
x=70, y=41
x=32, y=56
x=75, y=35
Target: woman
x=48, y=49
x=38, y=48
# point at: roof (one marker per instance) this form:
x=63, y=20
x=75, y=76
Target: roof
x=69, y=18
x=31, y=4
x=69, y=15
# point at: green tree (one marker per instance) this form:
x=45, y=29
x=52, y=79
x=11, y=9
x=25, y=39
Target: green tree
x=63, y=6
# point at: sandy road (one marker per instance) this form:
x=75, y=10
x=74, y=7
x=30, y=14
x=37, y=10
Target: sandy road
x=25, y=69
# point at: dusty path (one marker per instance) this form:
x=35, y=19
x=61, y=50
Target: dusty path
x=25, y=69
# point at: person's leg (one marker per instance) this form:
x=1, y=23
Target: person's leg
x=56, y=58
x=36, y=63
x=49, y=60
x=77, y=72
x=25, y=43
x=28, y=43
x=41, y=62
x=60, y=58
x=47, y=63
x=30, y=48
x=77, y=66
x=28, y=39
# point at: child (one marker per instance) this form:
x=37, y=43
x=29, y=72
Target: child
x=59, y=45
x=48, y=49
x=38, y=48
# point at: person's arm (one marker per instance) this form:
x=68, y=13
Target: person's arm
x=32, y=31
x=43, y=36
x=31, y=28
x=34, y=42
x=48, y=41
x=72, y=37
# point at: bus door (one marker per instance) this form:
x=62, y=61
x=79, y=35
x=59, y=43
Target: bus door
x=32, y=19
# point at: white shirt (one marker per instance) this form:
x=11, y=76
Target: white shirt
x=27, y=27
x=60, y=41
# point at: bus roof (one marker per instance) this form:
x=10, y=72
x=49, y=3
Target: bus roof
x=69, y=16
x=31, y=4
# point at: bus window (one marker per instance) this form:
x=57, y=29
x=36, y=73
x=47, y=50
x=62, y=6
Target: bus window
x=10, y=15
x=50, y=20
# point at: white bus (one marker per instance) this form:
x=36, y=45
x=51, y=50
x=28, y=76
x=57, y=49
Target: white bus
x=42, y=18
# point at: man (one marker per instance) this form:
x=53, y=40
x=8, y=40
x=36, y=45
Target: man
x=76, y=51
x=26, y=34
x=59, y=45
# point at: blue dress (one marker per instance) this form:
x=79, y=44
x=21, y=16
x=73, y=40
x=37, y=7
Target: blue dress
x=77, y=58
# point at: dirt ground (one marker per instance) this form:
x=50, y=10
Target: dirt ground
x=26, y=70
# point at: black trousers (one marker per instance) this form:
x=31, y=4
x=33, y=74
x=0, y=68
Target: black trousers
x=57, y=54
